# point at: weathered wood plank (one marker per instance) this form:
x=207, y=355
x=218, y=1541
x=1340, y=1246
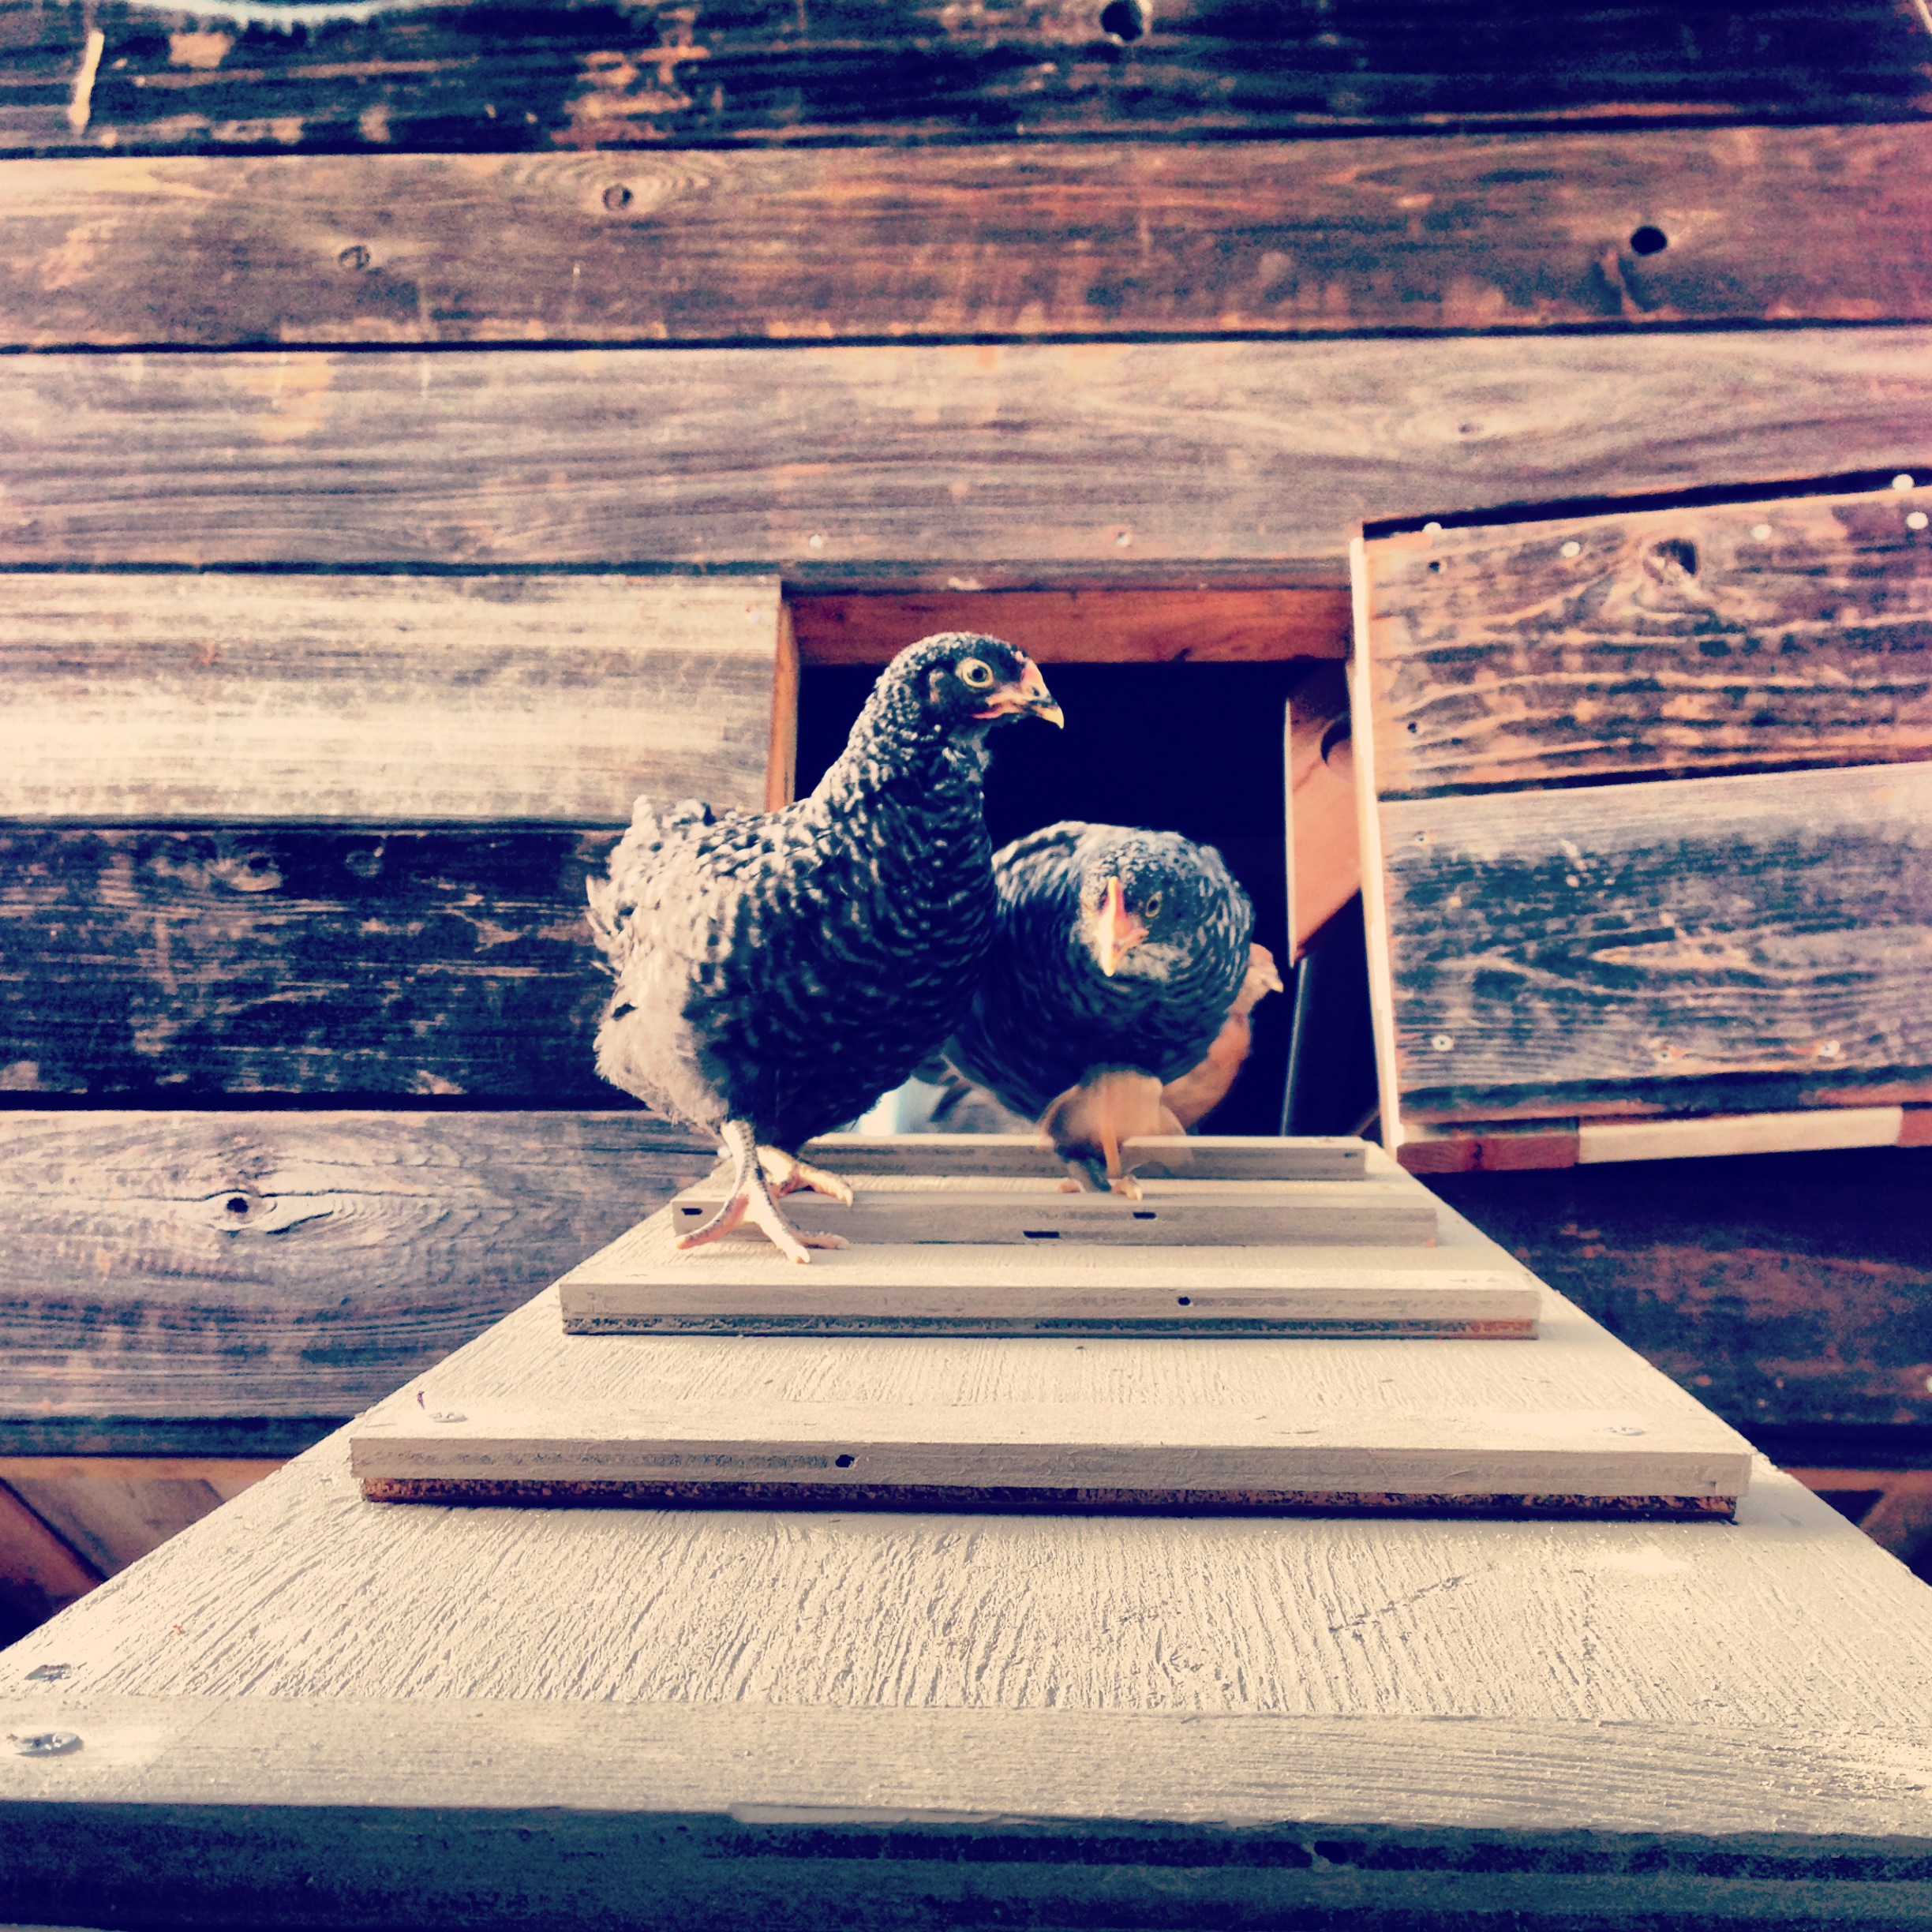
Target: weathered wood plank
x=640, y=1285
x=843, y=461
x=198, y=964
x=1017, y=1211
x=1797, y=631
x=1788, y=1292
x=291, y=1264
x=387, y=698
x=1324, y=846
x=1444, y=231
x=1731, y=944
x=749, y=1814
x=1199, y=625
x=583, y=75
x=1569, y=1423
x=40, y=1573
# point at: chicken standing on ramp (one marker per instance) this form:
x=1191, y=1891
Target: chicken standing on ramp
x=777, y=972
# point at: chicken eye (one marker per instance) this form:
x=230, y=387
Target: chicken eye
x=1153, y=905
x=974, y=672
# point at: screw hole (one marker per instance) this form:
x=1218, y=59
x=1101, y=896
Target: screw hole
x=1184, y=1300
x=1041, y=1233
x=1649, y=241
x=617, y=197
x=354, y=257
x=844, y=1462
x=237, y=1204
x=1122, y=20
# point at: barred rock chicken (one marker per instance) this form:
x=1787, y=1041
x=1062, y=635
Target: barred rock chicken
x=777, y=972
x=1119, y=961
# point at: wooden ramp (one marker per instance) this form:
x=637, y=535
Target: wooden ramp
x=1575, y=1423
x=970, y=1234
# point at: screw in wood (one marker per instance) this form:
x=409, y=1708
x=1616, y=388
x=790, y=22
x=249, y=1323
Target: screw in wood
x=354, y=257
x=617, y=197
x=45, y=1743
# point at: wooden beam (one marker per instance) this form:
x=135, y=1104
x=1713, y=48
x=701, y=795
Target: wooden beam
x=40, y=1571
x=292, y=1264
x=845, y=463
x=1455, y=231
x=1790, y=1291
x=1745, y=635
x=1202, y=625
x=386, y=698
x=116, y=1510
x=1566, y=1425
x=564, y=76
x=1699, y=943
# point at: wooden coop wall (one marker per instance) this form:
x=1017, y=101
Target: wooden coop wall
x=415, y=357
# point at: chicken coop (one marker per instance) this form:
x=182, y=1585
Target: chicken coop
x=1468, y=462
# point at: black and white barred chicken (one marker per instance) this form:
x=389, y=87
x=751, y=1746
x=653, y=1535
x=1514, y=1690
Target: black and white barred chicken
x=1119, y=982
x=777, y=972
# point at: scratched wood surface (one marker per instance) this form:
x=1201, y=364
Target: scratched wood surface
x=1196, y=626
x=207, y=1265
x=1197, y=1157
x=1789, y=1293
x=1571, y=1421
x=145, y=697
x=1389, y=1211
x=1729, y=945
x=1445, y=231
x=579, y=76
x=1080, y=457
x=178, y=964
x=1797, y=631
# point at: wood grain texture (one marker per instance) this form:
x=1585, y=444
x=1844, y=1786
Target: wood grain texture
x=113, y=1510
x=40, y=1571
x=530, y=1413
x=1790, y=1617
x=502, y=1817
x=641, y=1285
x=1735, y=945
x=1200, y=625
x=388, y=699
x=1324, y=848
x=1787, y=1291
x=294, y=1264
x=1745, y=635
x=1081, y=456
x=1445, y=231
x=586, y=76
x=1024, y=1212
x=1198, y=1157
x=181, y=965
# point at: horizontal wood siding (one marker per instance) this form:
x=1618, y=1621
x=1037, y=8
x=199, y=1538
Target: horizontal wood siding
x=179, y=965
x=832, y=460
x=1681, y=945
x=1785, y=1291
x=1790, y=632
x=383, y=699
x=1440, y=231
x=759, y=71
x=296, y=1265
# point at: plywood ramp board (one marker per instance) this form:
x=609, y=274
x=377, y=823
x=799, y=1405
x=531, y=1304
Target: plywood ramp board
x=553, y=699
x=1005, y=1208
x=642, y=1285
x=1573, y=1423
x=1197, y=1157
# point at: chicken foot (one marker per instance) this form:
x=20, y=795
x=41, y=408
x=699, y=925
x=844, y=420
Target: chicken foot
x=751, y=1199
